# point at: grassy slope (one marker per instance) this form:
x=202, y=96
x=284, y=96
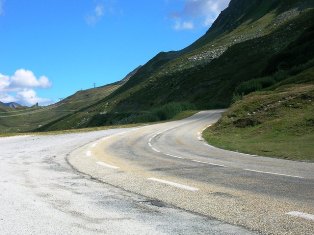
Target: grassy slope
x=172, y=77
x=276, y=123
x=279, y=119
x=32, y=118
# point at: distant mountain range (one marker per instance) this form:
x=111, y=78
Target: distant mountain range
x=12, y=105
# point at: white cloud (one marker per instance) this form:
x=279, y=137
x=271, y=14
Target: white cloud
x=200, y=12
x=26, y=78
x=6, y=98
x=29, y=97
x=20, y=88
x=4, y=82
x=95, y=16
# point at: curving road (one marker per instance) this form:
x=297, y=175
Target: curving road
x=42, y=194
x=171, y=163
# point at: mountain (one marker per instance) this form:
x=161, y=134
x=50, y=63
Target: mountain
x=241, y=46
x=29, y=119
x=253, y=45
x=12, y=105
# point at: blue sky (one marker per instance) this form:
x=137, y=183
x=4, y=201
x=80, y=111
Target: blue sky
x=49, y=49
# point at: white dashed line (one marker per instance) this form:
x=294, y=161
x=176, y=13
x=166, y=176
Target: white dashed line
x=150, y=145
x=208, y=163
x=88, y=153
x=301, y=215
x=182, y=186
x=156, y=150
x=273, y=173
x=170, y=155
x=107, y=165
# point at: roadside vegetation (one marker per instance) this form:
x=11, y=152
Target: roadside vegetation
x=274, y=115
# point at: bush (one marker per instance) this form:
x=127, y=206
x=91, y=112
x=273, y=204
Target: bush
x=254, y=85
x=168, y=111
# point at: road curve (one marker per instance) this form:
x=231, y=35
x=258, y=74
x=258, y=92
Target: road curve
x=42, y=194
x=171, y=163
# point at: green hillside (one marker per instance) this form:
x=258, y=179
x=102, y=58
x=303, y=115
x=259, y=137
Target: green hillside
x=21, y=120
x=277, y=119
x=240, y=46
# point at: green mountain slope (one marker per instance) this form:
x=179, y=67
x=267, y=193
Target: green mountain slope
x=240, y=46
x=277, y=119
x=28, y=119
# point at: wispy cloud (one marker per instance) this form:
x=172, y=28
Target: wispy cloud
x=20, y=88
x=183, y=25
x=199, y=13
x=96, y=14
x=1, y=7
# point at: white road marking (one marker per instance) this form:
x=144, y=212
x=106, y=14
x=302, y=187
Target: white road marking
x=170, y=155
x=273, y=173
x=150, y=139
x=156, y=150
x=94, y=145
x=182, y=186
x=208, y=163
x=88, y=153
x=150, y=145
x=301, y=215
x=206, y=128
x=107, y=165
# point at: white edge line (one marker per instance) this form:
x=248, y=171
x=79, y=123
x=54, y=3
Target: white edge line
x=88, y=153
x=273, y=173
x=182, y=186
x=107, y=165
x=301, y=215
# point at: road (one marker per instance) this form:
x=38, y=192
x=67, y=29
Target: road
x=170, y=163
x=42, y=194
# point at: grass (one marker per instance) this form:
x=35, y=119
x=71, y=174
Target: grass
x=33, y=118
x=276, y=123
x=178, y=116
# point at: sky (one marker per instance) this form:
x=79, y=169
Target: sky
x=49, y=49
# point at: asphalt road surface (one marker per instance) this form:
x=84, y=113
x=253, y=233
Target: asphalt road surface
x=42, y=194
x=171, y=164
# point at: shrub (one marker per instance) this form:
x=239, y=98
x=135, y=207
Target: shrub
x=254, y=85
x=169, y=110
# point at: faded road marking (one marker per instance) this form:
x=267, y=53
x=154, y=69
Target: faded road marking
x=107, y=165
x=208, y=163
x=88, y=153
x=273, y=173
x=301, y=215
x=182, y=186
x=170, y=155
